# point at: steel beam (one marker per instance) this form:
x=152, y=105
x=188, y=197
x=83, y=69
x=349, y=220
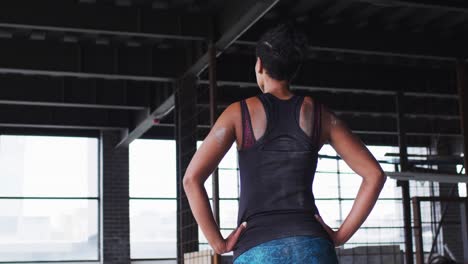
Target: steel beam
x=146, y=120
x=363, y=113
x=69, y=104
x=356, y=131
x=462, y=83
x=61, y=117
x=74, y=93
x=85, y=75
x=313, y=88
x=399, y=102
x=424, y=176
x=241, y=84
x=447, y=6
x=102, y=19
x=99, y=32
x=236, y=18
x=87, y=132
x=366, y=51
x=418, y=231
x=220, y=83
x=213, y=117
x=73, y=127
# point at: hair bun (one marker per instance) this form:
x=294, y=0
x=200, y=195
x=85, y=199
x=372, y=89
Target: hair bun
x=282, y=49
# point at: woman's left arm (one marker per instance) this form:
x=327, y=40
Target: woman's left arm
x=218, y=141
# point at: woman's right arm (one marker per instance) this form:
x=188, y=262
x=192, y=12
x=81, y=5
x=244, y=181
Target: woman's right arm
x=356, y=155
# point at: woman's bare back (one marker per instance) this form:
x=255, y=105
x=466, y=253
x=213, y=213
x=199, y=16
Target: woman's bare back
x=259, y=122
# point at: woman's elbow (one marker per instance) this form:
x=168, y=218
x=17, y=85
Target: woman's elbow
x=187, y=182
x=381, y=178
x=378, y=178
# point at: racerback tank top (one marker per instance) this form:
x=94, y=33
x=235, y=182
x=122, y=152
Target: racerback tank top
x=276, y=174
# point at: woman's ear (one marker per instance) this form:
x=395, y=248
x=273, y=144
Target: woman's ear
x=259, y=66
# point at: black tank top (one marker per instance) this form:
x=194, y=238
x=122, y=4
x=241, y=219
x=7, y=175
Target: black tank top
x=276, y=174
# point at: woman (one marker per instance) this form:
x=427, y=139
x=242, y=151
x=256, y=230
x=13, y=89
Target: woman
x=278, y=136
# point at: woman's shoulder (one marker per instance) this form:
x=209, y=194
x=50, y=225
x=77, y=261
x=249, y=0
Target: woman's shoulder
x=311, y=100
x=234, y=109
x=251, y=101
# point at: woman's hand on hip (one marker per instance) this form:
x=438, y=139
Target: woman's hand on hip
x=227, y=244
x=335, y=235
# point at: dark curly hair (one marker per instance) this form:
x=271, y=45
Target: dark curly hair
x=281, y=50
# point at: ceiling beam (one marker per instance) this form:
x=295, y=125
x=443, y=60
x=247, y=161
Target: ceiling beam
x=145, y=121
x=363, y=50
x=69, y=104
x=313, y=88
x=447, y=5
x=426, y=176
x=220, y=82
x=51, y=126
x=102, y=20
x=235, y=18
x=62, y=118
x=31, y=131
x=98, y=32
x=85, y=75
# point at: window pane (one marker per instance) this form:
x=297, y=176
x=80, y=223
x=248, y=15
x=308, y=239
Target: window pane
x=330, y=212
x=209, y=186
x=376, y=236
x=29, y=164
x=230, y=158
x=462, y=189
x=327, y=149
x=228, y=213
x=325, y=185
x=153, y=168
x=349, y=184
x=386, y=213
x=227, y=175
x=201, y=236
x=153, y=229
x=424, y=188
x=327, y=164
x=390, y=189
x=379, y=152
x=388, y=167
x=344, y=167
x=48, y=230
x=228, y=183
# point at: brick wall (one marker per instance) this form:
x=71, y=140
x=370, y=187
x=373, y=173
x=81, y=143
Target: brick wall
x=115, y=200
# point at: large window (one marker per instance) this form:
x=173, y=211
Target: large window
x=228, y=175
x=153, y=204
x=335, y=187
x=153, y=175
x=48, y=198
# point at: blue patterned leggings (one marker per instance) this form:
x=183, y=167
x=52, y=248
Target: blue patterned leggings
x=291, y=250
